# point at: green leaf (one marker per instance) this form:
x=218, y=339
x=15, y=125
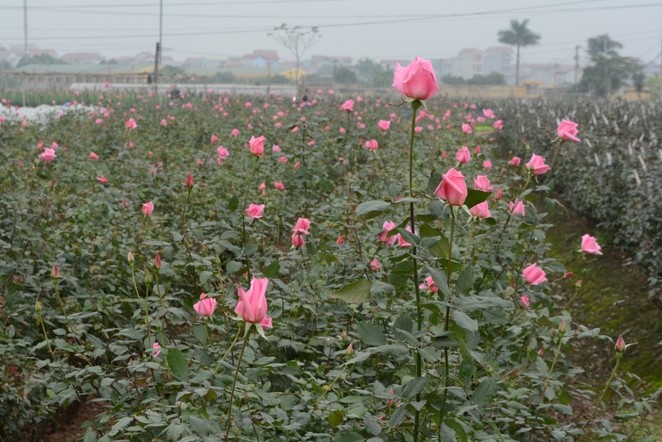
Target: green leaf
x=398, y=416
x=476, y=197
x=439, y=278
x=485, y=392
x=433, y=181
x=409, y=237
x=335, y=418
x=177, y=363
x=381, y=287
x=348, y=436
x=204, y=276
x=401, y=273
x=272, y=270
x=465, y=281
x=233, y=204
x=413, y=387
x=370, y=209
x=406, y=199
x=371, y=334
x=405, y=323
x=120, y=424
x=464, y=321
x=200, y=332
x=356, y=292
x=372, y=424
x=233, y=267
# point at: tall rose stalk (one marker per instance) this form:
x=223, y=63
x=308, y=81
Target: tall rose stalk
x=417, y=82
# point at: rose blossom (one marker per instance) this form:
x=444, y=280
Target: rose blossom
x=255, y=211
x=482, y=182
x=537, y=165
x=534, y=275
x=567, y=131
x=417, y=80
x=463, y=155
x=590, y=245
x=205, y=306
x=453, y=188
x=252, y=305
x=481, y=210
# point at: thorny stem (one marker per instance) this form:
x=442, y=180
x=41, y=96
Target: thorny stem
x=449, y=271
x=234, y=381
x=412, y=221
x=604, y=390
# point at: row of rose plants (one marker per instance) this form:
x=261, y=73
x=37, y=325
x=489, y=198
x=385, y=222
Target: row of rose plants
x=612, y=176
x=249, y=268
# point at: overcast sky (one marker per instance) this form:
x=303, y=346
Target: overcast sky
x=377, y=29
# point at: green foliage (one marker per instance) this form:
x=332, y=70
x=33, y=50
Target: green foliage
x=340, y=362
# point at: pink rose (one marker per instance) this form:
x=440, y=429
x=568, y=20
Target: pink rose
x=255, y=211
x=384, y=125
x=403, y=242
x=383, y=236
x=498, y=125
x=526, y=302
x=371, y=145
x=481, y=210
x=297, y=240
x=620, y=346
x=488, y=113
x=537, y=165
x=534, y=275
x=482, y=182
x=487, y=164
x=590, y=245
x=214, y=139
x=431, y=285
x=463, y=156
x=348, y=106
x=257, y=145
x=453, y=188
x=235, y=132
x=47, y=155
x=279, y=186
x=131, y=124
x=467, y=129
x=252, y=305
x=148, y=208
x=93, y=156
x=375, y=265
x=417, y=80
x=102, y=179
x=302, y=225
x=515, y=161
x=156, y=350
x=222, y=152
x=567, y=131
x=205, y=306
x=516, y=208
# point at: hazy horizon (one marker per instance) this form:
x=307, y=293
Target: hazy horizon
x=377, y=29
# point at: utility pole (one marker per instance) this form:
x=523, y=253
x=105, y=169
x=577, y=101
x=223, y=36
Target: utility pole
x=25, y=28
x=160, y=29
x=660, y=67
x=156, y=68
x=577, y=48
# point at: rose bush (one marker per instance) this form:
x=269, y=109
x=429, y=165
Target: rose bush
x=344, y=356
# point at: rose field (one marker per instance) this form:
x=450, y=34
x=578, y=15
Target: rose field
x=380, y=267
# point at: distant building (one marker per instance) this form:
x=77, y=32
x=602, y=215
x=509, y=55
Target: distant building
x=498, y=59
x=469, y=62
x=82, y=58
